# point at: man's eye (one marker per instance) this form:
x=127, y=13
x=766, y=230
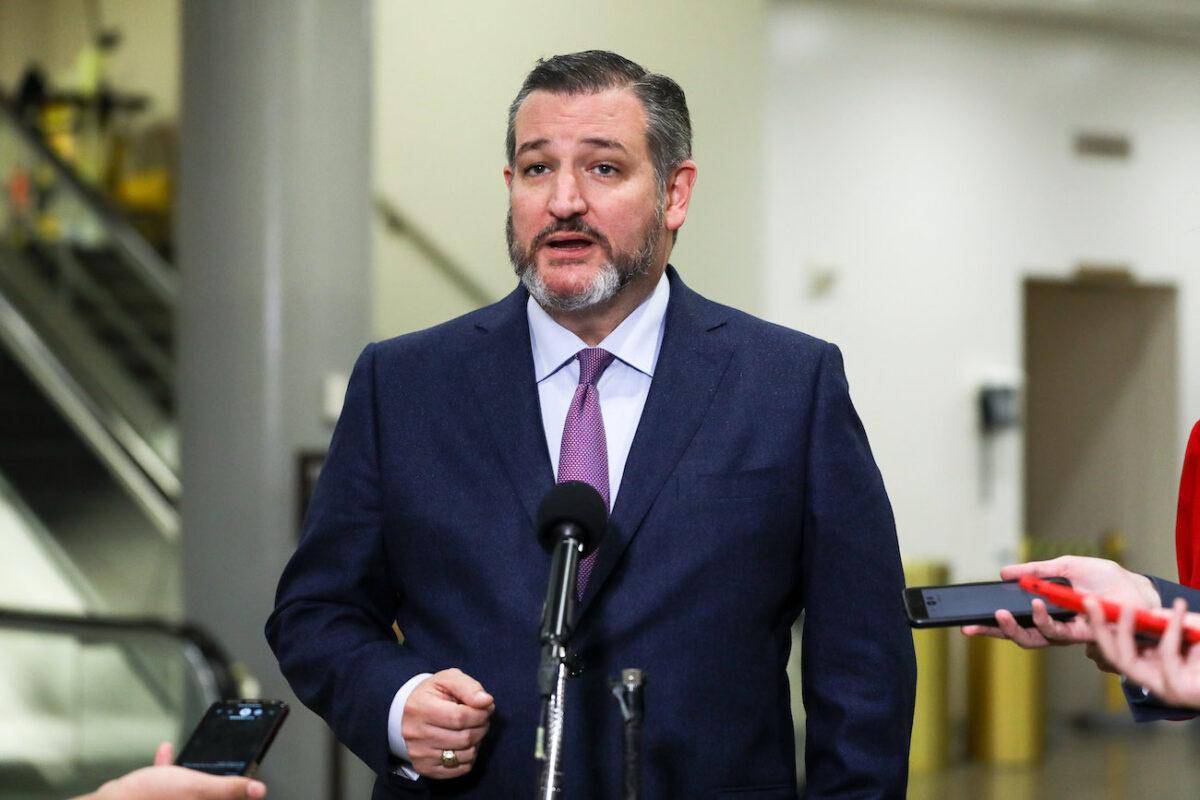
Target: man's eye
x=605, y=169
x=536, y=169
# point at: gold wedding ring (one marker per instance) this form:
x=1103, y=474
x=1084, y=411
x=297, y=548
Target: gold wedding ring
x=449, y=759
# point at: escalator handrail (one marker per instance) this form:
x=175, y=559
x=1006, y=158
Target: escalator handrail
x=208, y=659
x=156, y=273
x=151, y=482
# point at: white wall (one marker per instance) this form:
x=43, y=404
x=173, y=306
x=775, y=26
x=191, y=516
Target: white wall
x=445, y=74
x=924, y=165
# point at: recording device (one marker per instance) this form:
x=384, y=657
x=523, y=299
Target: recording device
x=233, y=736
x=570, y=524
x=974, y=604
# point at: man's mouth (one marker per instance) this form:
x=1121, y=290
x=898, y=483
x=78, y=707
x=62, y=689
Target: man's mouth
x=568, y=243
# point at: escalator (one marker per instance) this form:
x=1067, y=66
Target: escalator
x=88, y=436
x=86, y=699
x=96, y=667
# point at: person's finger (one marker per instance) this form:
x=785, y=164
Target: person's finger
x=229, y=788
x=1027, y=638
x=164, y=755
x=428, y=762
x=462, y=687
x=990, y=631
x=1054, y=568
x=1054, y=631
x=451, y=715
x=465, y=755
x=1102, y=635
x=1092, y=651
x=1142, y=666
x=438, y=738
x=1168, y=652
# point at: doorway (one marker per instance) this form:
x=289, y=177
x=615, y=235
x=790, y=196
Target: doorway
x=1101, y=456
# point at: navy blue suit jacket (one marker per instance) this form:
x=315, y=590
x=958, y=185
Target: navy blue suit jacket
x=749, y=495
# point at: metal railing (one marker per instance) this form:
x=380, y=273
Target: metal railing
x=153, y=269
x=92, y=696
x=400, y=225
x=137, y=466
x=108, y=374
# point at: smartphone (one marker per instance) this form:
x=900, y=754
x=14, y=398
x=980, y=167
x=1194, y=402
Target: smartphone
x=233, y=736
x=974, y=604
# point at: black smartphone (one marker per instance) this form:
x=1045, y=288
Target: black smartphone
x=974, y=604
x=233, y=736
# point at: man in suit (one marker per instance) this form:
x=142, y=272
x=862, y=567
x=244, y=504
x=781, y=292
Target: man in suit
x=741, y=487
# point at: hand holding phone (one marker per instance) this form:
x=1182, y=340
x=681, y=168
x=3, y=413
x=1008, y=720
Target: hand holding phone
x=1146, y=623
x=233, y=736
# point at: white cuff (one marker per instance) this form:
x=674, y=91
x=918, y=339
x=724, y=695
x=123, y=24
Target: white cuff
x=396, y=718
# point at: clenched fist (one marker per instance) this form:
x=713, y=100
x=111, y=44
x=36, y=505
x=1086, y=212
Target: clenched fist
x=449, y=710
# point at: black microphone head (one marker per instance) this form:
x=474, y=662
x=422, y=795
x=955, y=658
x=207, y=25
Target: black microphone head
x=577, y=503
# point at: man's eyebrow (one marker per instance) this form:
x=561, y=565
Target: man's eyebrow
x=610, y=144
x=594, y=141
x=532, y=144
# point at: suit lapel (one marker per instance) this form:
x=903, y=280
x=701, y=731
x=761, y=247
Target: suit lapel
x=502, y=376
x=689, y=369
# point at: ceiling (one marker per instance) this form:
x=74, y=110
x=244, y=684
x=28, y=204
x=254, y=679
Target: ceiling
x=1169, y=19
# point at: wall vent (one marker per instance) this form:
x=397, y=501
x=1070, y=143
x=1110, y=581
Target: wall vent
x=1103, y=145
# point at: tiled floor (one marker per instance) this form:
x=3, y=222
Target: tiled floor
x=1160, y=761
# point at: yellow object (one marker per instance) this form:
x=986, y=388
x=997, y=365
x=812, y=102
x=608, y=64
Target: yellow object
x=931, y=720
x=1005, y=705
x=145, y=191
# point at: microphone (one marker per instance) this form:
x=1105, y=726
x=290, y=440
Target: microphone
x=571, y=521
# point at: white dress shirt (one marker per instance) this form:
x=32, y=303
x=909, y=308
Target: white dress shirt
x=623, y=389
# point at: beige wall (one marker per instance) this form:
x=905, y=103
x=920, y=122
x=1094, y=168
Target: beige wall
x=445, y=73
x=922, y=169
x=52, y=32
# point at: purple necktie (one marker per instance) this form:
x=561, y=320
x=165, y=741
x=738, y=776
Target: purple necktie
x=584, y=452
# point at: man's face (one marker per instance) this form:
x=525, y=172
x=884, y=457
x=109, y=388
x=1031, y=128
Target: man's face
x=585, y=214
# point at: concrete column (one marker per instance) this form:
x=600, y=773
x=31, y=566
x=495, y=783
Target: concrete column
x=274, y=252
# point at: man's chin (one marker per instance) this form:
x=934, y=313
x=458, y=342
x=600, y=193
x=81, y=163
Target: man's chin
x=570, y=289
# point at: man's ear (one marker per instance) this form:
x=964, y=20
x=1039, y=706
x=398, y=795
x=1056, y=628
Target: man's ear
x=508, y=175
x=679, y=194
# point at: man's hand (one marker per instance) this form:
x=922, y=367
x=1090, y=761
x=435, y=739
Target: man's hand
x=166, y=782
x=447, y=711
x=1174, y=677
x=1089, y=575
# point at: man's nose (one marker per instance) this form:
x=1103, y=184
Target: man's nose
x=567, y=200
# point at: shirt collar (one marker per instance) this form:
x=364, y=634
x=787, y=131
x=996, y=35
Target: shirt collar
x=636, y=341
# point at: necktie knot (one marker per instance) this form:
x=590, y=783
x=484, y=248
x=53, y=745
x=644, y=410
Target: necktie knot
x=592, y=363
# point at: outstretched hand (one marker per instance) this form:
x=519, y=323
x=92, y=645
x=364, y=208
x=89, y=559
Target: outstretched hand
x=164, y=781
x=1088, y=575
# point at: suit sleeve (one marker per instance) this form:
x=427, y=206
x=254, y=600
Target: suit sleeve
x=332, y=625
x=858, y=667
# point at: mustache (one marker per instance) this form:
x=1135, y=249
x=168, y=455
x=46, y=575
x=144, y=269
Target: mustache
x=572, y=225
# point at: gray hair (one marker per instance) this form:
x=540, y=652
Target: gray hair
x=668, y=124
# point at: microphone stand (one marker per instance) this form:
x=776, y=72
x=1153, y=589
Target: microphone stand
x=557, y=620
x=629, y=691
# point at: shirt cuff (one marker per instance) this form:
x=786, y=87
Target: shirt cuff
x=395, y=719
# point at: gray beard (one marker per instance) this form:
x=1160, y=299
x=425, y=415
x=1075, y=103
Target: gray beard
x=618, y=271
